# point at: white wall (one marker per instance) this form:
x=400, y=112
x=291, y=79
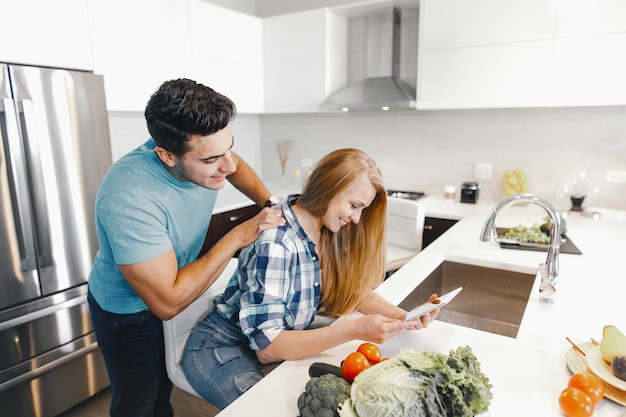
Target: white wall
x=424, y=151
x=128, y=130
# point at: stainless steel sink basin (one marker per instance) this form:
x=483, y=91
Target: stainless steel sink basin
x=493, y=300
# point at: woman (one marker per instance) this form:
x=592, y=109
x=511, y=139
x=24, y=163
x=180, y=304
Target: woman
x=326, y=260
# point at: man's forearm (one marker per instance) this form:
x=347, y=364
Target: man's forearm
x=249, y=183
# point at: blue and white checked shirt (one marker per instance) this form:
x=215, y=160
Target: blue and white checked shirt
x=277, y=284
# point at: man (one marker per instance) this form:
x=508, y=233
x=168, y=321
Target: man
x=153, y=209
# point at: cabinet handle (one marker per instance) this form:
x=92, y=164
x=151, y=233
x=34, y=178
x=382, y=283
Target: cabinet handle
x=234, y=218
x=428, y=227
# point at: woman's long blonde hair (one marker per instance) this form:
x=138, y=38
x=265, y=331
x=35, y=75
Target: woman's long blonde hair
x=352, y=260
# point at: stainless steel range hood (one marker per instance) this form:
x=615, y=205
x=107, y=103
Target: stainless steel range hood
x=382, y=89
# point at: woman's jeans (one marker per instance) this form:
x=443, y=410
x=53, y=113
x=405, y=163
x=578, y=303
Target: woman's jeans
x=134, y=354
x=218, y=363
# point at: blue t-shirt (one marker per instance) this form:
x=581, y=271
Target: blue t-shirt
x=142, y=211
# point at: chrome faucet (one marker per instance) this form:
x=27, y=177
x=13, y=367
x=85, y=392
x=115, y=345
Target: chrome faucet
x=548, y=270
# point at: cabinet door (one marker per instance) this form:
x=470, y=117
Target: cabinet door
x=509, y=53
x=222, y=223
x=434, y=228
x=483, y=22
x=47, y=33
x=304, y=58
x=232, y=62
x=588, y=60
x=137, y=45
x=488, y=54
x=493, y=76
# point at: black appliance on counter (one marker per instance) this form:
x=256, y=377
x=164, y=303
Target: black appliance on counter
x=54, y=153
x=469, y=192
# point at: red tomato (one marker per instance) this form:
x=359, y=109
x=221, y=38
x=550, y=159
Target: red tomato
x=575, y=403
x=589, y=384
x=371, y=352
x=354, y=364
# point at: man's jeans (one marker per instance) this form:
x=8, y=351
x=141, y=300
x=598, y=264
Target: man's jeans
x=134, y=354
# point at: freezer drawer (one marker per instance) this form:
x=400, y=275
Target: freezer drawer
x=42, y=326
x=51, y=387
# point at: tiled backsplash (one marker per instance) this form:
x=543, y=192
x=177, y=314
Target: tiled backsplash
x=425, y=150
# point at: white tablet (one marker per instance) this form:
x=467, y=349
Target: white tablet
x=428, y=307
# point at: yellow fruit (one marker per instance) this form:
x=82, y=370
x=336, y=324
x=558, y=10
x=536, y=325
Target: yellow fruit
x=613, y=343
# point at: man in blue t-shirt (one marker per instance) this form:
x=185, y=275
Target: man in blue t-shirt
x=153, y=210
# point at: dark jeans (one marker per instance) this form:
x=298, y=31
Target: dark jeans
x=134, y=354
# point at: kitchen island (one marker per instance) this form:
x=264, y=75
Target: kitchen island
x=528, y=372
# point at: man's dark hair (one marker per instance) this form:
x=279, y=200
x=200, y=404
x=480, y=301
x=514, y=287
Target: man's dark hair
x=183, y=107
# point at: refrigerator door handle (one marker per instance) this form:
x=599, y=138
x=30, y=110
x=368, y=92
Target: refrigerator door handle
x=42, y=226
x=23, y=224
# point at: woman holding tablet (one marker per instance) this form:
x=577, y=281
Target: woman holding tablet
x=326, y=260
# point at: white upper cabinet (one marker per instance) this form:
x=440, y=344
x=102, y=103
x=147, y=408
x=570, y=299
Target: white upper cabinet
x=140, y=44
x=137, y=46
x=589, y=63
x=449, y=24
x=44, y=32
x=484, y=53
x=304, y=59
x=227, y=53
x=509, y=53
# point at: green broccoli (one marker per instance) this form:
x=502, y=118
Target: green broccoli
x=322, y=396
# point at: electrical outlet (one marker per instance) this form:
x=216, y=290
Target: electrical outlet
x=306, y=162
x=483, y=170
x=616, y=176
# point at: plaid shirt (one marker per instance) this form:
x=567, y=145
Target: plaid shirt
x=277, y=284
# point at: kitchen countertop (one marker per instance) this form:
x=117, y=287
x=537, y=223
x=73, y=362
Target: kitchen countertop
x=528, y=372
x=229, y=198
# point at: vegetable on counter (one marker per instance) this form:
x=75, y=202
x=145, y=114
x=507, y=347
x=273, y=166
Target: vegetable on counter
x=321, y=368
x=371, y=352
x=353, y=365
x=421, y=384
x=322, y=396
x=537, y=233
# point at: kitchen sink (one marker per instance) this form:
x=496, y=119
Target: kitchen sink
x=493, y=300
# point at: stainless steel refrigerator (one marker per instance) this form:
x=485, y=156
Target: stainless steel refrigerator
x=55, y=150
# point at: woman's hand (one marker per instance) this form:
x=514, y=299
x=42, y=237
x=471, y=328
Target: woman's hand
x=378, y=329
x=424, y=320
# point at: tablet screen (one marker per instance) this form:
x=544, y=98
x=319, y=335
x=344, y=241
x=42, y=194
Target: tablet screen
x=428, y=307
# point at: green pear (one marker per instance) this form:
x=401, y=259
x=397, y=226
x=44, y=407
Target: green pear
x=613, y=343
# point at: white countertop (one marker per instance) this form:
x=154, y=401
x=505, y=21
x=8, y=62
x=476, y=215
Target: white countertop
x=230, y=199
x=529, y=372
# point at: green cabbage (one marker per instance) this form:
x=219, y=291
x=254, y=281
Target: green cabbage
x=420, y=384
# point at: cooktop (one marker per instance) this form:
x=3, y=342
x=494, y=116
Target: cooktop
x=408, y=195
